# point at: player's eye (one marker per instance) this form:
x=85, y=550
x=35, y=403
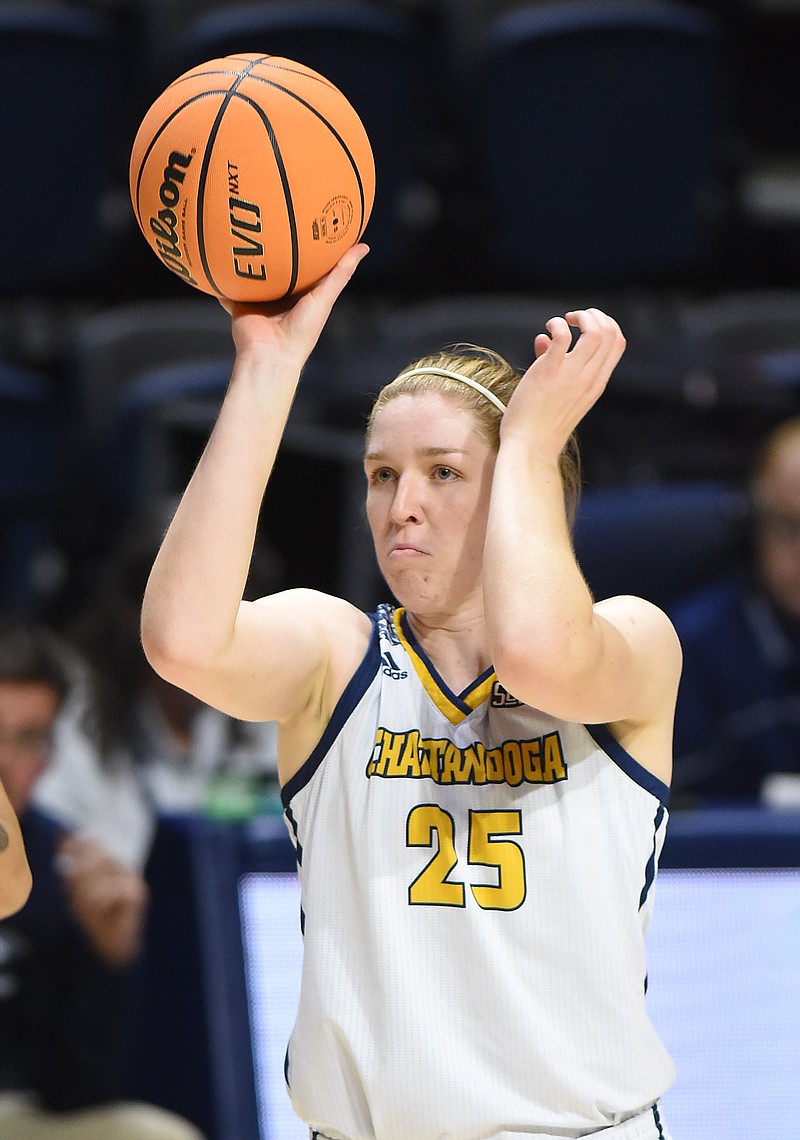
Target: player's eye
x=381, y=475
x=444, y=474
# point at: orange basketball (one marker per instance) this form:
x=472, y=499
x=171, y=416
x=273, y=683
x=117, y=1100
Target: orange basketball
x=250, y=176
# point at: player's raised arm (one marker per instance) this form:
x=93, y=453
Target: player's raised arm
x=551, y=645
x=249, y=659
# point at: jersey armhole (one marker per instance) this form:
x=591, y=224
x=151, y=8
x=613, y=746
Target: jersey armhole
x=354, y=691
x=603, y=738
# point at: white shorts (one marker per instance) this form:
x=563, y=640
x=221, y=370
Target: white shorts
x=647, y=1125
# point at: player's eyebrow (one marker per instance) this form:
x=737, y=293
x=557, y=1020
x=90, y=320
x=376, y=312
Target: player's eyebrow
x=428, y=452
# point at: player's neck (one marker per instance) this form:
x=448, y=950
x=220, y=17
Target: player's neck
x=455, y=644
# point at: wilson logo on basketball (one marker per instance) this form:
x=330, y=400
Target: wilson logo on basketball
x=165, y=224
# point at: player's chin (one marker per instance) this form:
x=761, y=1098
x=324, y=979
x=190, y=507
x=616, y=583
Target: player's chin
x=410, y=586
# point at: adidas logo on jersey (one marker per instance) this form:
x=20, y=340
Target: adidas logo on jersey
x=392, y=669
x=502, y=699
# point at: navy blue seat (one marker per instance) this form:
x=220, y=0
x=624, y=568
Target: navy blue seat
x=143, y=458
x=29, y=482
x=63, y=93
x=754, y=332
x=115, y=344
x=598, y=127
x=378, y=59
x=191, y=1048
x=658, y=540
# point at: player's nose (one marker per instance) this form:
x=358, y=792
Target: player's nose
x=407, y=501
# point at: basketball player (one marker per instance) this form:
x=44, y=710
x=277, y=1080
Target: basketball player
x=476, y=780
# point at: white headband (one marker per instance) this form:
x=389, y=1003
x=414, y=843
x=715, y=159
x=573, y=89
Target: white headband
x=455, y=376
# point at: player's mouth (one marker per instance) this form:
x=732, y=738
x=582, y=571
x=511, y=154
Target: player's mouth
x=405, y=550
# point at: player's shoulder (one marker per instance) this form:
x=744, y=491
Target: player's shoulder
x=631, y=608
x=342, y=626
x=315, y=604
x=644, y=624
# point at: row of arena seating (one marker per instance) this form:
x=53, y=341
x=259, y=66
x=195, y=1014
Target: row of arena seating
x=591, y=142
x=666, y=451
x=532, y=158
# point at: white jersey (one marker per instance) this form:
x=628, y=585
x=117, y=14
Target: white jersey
x=476, y=885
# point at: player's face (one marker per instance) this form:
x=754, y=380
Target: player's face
x=778, y=530
x=429, y=474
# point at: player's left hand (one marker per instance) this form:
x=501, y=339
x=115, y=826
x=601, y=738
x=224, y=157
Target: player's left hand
x=565, y=380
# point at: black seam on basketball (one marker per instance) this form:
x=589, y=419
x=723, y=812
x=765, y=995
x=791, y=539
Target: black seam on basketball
x=284, y=177
x=201, y=182
x=264, y=60
x=246, y=59
x=305, y=73
x=331, y=128
x=202, y=74
x=156, y=137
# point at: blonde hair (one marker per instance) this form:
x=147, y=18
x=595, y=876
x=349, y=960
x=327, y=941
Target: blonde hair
x=490, y=371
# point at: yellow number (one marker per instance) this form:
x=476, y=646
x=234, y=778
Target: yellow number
x=487, y=849
x=431, y=888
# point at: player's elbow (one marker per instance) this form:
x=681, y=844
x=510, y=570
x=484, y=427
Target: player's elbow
x=172, y=652
x=518, y=671
x=187, y=655
x=547, y=679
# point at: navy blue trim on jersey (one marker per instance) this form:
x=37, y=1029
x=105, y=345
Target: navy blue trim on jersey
x=298, y=846
x=458, y=699
x=345, y=706
x=650, y=869
x=657, y=1118
x=639, y=774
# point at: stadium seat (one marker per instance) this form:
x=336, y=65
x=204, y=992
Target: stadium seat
x=659, y=540
x=63, y=93
x=753, y=332
x=191, y=1046
x=142, y=460
x=506, y=323
x=598, y=128
x=29, y=483
x=114, y=344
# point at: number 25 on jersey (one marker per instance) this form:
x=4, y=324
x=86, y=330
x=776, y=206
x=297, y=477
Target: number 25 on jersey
x=488, y=845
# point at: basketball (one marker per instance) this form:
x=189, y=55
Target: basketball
x=250, y=176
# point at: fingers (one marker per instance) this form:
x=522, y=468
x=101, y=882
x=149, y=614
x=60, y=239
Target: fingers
x=600, y=336
x=333, y=282
x=328, y=288
x=600, y=342
x=555, y=343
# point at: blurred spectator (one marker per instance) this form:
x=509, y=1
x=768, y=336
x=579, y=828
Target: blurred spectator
x=187, y=756
x=87, y=787
x=67, y=957
x=738, y=717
